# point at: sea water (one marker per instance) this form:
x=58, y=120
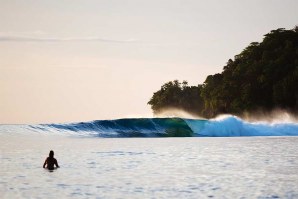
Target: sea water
x=147, y=164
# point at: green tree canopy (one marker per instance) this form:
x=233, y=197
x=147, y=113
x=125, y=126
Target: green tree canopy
x=263, y=76
x=174, y=94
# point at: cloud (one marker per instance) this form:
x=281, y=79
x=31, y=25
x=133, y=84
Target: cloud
x=13, y=38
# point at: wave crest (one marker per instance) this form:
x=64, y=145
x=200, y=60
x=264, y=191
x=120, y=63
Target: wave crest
x=227, y=126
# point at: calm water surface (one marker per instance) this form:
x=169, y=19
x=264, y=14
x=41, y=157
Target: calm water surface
x=239, y=167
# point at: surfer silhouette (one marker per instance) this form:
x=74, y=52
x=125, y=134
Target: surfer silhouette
x=50, y=162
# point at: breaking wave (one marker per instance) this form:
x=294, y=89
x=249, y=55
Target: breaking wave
x=161, y=127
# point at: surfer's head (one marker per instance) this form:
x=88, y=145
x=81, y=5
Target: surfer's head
x=51, y=155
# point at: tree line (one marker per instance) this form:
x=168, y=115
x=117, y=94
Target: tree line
x=264, y=76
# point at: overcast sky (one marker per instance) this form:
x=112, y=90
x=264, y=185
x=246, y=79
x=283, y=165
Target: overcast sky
x=80, y=60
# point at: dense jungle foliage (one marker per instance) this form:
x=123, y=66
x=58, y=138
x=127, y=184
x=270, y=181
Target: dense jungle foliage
x=264, y=76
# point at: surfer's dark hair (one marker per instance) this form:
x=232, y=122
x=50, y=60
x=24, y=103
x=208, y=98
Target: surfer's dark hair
x=51, y=155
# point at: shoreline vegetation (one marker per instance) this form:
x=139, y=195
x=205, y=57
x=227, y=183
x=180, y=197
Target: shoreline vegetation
x=262, y=78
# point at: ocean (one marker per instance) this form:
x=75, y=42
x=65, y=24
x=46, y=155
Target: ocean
x=151, y=158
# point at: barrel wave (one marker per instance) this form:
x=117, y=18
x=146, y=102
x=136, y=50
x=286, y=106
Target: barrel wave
x=141, y=127
x=174, y=127
x=230, y=126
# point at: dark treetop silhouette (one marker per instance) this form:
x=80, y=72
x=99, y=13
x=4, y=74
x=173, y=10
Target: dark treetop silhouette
x=264, y=76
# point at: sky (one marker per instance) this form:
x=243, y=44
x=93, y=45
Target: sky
x=83, y=60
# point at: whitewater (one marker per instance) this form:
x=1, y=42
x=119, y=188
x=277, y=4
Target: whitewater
x=151, y=158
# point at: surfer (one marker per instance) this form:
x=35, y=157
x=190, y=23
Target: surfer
x=51, y=162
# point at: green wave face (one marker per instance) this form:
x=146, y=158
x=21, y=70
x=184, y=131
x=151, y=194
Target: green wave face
x=175, y=127
x=149, y=127
x=140, y=127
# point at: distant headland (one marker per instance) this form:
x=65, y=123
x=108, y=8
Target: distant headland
x=264, y=76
